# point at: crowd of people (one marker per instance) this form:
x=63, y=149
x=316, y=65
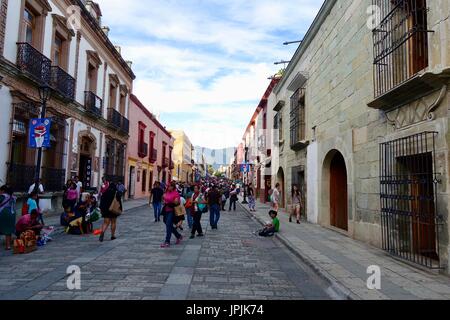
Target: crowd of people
x=176, y=203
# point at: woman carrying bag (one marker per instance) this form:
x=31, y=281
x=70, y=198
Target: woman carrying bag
x=111, y=207
x=199, y=207
x=171, y=201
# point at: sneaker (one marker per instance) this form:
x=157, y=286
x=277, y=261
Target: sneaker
x=179, y=240
x=200, y=235
x=165, y=245
x=192, y=236
x=101, y=237
x=113, y=238
x=298, y=221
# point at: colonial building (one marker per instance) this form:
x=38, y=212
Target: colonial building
x=149, y=152
x=183, y=157
x=362, y=116
x=60, y=46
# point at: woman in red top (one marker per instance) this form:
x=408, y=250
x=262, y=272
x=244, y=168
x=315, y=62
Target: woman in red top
x=171, y=199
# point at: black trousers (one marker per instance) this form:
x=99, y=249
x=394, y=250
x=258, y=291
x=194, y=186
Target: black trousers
x=197, y=226
x=232, y=203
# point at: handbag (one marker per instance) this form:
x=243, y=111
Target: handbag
x=180, y=210
x=115, y=207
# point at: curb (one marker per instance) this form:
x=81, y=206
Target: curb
x=336, y=289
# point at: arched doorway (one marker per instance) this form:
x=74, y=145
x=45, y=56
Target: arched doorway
x=338, y=192
x=280, y=180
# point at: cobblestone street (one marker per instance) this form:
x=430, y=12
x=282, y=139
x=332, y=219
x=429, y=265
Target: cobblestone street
x=228, y=263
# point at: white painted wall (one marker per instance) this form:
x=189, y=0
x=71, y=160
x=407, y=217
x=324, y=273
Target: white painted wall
x=312, y=181
x=5, y=107
x=12, y=30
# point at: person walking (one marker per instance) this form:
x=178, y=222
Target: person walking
x=121, y=188
x=67, y=186
x=276, y=197
x=36, y=187
x=156, y=196
x=296, y=204
x=171, y=200
x=104, y=186
x=214, y=202
x=233, y=198
x=71, y=196
x=79, y=185
x=7, y=215
x=251, y=197
x=189, y=207
x=198, y=201
x=109, y=218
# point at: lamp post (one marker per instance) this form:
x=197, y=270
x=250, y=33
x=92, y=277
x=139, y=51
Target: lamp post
x=44, y=95
x=246, y=177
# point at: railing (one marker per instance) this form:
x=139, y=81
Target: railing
x=53, y=179
x=125, y=125
x=114, y=117
x=166, y=162
x=33, y=62
x=153, y=155
x=400, y=43
x=63, y=82
x=143, y=149
x=20, y=176
x=93, y=104
x=410, y=220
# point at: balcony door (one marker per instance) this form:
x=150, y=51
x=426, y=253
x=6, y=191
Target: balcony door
x=91, y=84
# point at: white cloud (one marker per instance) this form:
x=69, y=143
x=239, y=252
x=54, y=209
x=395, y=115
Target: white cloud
x=209, y=59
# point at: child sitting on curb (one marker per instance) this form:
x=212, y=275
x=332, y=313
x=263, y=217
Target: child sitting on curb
x=270, y=229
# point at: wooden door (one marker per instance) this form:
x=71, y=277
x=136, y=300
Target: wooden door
x=338, y=193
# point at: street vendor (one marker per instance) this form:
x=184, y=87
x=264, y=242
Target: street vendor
x=29, y=222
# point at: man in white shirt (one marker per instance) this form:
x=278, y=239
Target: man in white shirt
x=39, y=190
x=79, y=186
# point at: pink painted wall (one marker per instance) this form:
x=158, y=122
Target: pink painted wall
x=138, y=113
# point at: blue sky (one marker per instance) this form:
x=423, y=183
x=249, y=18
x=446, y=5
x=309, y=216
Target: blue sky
x=202, y=65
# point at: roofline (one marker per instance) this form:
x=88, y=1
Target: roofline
x=93, y=24
x=138, y=103
x=309, y=36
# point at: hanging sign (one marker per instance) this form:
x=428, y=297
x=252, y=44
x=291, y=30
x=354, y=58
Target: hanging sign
x=39, y=136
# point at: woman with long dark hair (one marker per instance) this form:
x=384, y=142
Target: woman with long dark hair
x=296, y=204
x=199, y=204
x=109, y=217
x=7, y=215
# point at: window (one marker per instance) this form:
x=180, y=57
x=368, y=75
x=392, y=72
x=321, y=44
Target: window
x=93, y=64
x=142, y=146
x=123, y=99
x=297, y=117
x=409, y=183
x=62, y=36
x=112, y=96
x=400, y=43
x=57, y=50
x=29, y=26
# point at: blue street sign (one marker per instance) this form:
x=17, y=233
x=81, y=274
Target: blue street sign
x=39, y=136
x=245, y=168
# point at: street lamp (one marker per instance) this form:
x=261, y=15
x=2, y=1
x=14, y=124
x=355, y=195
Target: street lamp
x=246, y=177
x=44, y=95
x=291, y=42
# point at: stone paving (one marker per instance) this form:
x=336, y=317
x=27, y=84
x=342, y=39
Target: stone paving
x=343, y=262
x=228, y=263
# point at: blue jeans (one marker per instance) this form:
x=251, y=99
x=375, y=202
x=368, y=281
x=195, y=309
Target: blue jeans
x=190, y=219
x=214, y=215
x=169, y=227
x=157, y=210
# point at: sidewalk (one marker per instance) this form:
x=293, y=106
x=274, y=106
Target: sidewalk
x=343, y=263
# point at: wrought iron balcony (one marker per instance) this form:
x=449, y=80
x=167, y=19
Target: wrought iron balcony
x=125, y=125
x=93, y=104
x=143, y=150
x=166, y=162
x=153, y=155
x=34, y=63
x=114, y=117
x=63, y=82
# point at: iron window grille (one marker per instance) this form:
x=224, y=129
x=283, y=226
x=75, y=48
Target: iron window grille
x=297, y=117
x=400, y=43
x=409, y=218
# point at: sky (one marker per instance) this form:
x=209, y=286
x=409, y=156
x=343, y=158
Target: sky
x=202, y=65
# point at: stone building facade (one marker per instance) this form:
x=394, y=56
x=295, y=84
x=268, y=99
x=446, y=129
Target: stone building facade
x=61, y=45
x=183, y=157
x=362, y=113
